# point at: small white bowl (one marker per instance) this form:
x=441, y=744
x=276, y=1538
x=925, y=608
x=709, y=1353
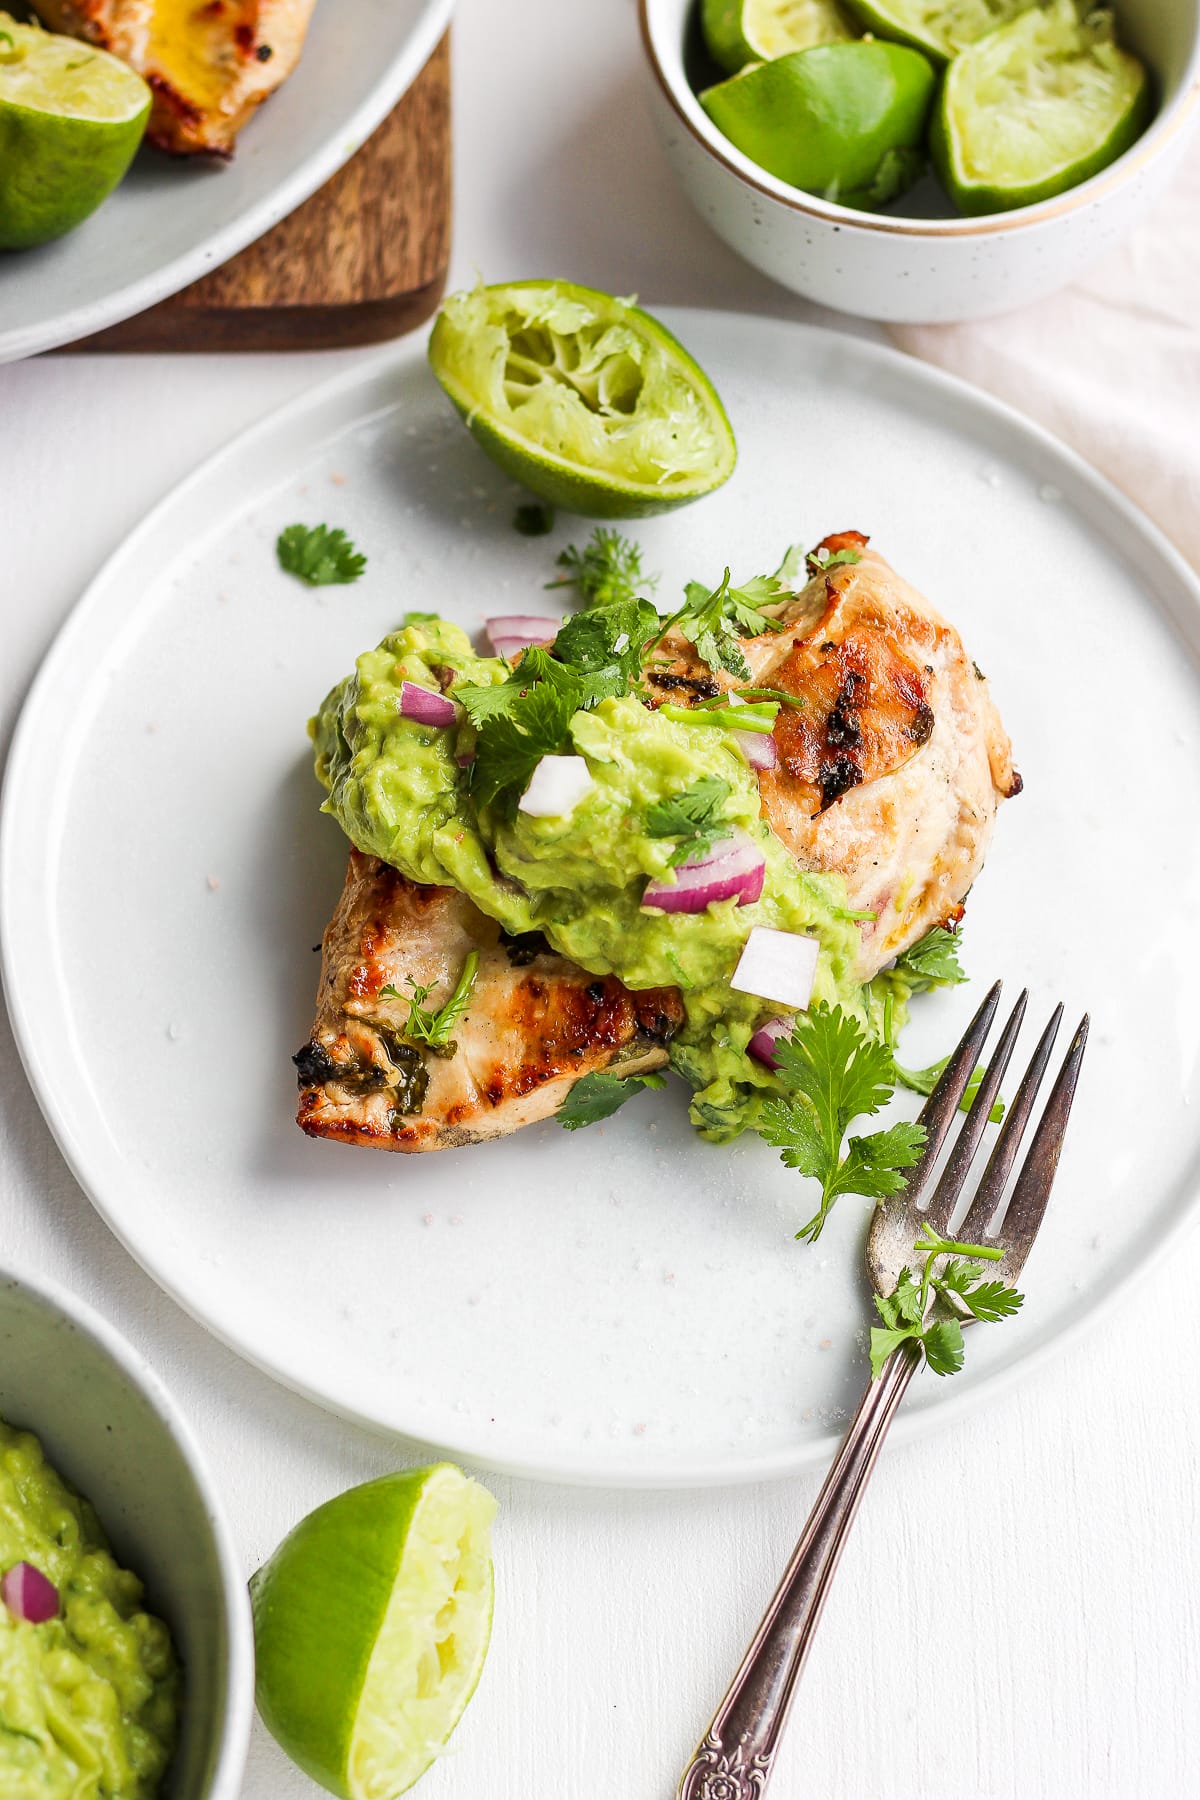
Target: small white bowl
x=921, y=269
x=111, y=1430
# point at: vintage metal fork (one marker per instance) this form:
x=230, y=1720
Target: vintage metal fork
x=734, y=1760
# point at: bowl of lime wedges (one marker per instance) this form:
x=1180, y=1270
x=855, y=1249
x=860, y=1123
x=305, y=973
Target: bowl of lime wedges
x=923, y=160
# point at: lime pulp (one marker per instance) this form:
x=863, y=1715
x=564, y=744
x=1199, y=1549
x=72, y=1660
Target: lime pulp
x=584, y=398
x=941, y=28
x=738, y=32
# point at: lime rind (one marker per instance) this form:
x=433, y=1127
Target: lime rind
x=738, y=32
x=433, y=1641
x=941, y=28
x=846, y=121
x=582, y=397
x=1037, y=107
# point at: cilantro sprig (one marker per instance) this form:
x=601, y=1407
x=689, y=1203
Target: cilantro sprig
x=833, y=1073
x=713, y=620
x=928, y=1312
x=606, y=571
x=822, y=559
x=319, y=555
x=598, y=1095
x=695, y=817
x=433, y=1026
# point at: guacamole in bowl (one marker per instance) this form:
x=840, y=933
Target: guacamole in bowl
x=90, y=1696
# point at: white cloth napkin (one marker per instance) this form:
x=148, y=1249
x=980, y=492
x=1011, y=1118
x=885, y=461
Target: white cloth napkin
x=1111, y=364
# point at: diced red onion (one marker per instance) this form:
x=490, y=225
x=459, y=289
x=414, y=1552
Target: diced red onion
x=29, y=1595
x=425, y=706
x=518, y=631
x=777, y=965
x=556, y=787
x=758, y=749
x=734, y=869
x=465, y=759
x=762, y=1045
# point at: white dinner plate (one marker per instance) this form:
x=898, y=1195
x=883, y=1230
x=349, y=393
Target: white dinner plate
x=625, y=1304
x=175, y=218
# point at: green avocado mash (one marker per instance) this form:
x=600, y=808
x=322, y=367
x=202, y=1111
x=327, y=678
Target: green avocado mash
x=401, y=791
x=89, y=1700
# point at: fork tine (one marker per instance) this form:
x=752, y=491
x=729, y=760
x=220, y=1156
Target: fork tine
x=938, y=1111
x=1036, y=1178
x=974, y=1227
x=945, y=1196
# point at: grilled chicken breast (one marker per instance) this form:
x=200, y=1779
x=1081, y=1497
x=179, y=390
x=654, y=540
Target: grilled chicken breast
x=893, y=764
x=534, y=1025
x=209, y=62
x=891, y=767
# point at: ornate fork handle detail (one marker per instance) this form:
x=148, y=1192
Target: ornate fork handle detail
x=734, y=1760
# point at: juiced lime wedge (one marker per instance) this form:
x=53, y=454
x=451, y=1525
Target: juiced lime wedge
x=741, y=31
x=71, y=118
x=842, y=120
x=584, y=398
x=939, y=27
x=371, y=1624
x=1036, y=107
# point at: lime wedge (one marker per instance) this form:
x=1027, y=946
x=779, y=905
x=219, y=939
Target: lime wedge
x=939, y=27
x=843, y=120
x=741, y=31
x=1036, y=107
x=584, y=398
x=371, y=1624
x=71, y=118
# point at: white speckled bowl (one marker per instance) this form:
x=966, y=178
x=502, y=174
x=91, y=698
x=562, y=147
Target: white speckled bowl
x=110, y=1428
x=932, y=268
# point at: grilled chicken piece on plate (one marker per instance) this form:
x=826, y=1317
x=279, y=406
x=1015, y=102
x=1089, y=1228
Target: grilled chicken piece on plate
x=209, y=62
x=894, y=762
x=535, y=1022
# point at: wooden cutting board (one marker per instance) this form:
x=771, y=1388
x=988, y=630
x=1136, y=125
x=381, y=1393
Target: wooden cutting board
x=363, y=260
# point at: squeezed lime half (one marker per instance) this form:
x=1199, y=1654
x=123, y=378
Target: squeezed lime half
x=846, y=121
x=738, y=32
x=939, y=27
x=71, y=118
x=1036, y=107
x=584, y=398
x=371, y=1625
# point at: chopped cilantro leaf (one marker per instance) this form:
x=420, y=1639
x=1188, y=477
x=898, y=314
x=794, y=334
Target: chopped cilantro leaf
x=597, y=1096
x=932, y=962
x=318, y=555
x=512, y=743
x=695, y=817
x=533, y=519
x=606, y=571
x=606, y=644
x=822, y=559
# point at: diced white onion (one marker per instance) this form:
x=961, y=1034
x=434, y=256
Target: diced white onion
x=777, y=965
x=556, y=787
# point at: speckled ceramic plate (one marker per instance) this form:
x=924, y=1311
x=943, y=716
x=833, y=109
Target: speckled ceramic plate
x=172, y=219
x=624, y=1305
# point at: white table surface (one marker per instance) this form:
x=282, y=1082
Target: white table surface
x=1017, y=1612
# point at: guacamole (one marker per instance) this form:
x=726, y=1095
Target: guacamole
x=88, y=1700
x=402, y=791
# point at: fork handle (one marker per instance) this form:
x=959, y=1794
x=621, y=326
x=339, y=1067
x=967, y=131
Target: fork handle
x=735, y=1758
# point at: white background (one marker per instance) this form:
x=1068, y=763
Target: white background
x=1017, y=1611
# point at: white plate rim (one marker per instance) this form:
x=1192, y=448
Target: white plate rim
x=313, y=172
x=573, y=1470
